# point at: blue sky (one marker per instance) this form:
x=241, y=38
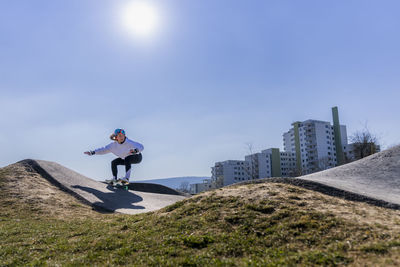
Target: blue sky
x=215, y=76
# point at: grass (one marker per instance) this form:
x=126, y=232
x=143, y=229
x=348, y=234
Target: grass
x=217, y=228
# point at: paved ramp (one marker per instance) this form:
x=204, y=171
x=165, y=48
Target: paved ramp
x=101, y=195
x=376, y=176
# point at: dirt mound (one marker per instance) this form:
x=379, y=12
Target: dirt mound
x=305, y=199
x=22, y=187
x=376, y=176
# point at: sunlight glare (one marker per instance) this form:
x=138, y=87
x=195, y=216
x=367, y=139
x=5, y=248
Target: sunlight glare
x=140, y=18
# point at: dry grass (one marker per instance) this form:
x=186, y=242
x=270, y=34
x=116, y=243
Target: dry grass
x=311, y=200
x=370, y=221
x=256, y=224
x=25, y=188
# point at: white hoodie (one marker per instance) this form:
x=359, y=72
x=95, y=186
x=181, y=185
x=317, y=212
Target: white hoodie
x=120, y=150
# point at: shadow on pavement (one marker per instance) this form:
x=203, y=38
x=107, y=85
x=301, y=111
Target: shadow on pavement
x=112, y=201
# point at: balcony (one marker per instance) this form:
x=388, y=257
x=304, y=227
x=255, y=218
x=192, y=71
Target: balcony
x=311, y=137
x=310, y=148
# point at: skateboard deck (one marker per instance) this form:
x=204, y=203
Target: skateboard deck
x=119, y=184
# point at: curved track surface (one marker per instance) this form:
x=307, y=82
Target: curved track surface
x=376, y=176
x=103, y=196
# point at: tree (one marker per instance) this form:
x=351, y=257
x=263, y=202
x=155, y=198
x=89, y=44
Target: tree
x=253, y=172
x=217, y=182
x=184, y=187
x=324, y=163
x=363, y=144
x=217, y=178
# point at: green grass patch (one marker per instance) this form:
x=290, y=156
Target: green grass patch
x=206, y=230
x=378, y=248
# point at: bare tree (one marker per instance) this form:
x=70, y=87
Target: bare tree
x=253, y=172
x=324, y=163
x=217, y=178
x=184, y=187
x=364, y=144
x=218, y=182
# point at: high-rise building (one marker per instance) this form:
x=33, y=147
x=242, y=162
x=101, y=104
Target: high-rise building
x=309, y=146
x=318, y=145
x=288, y=164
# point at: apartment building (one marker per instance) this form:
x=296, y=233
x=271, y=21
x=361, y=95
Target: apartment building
x=260, y=165
x=201, y=187
x=318, y=145
x=271, y=163
x=309, y=146
x=229, y=172
x=288, y=164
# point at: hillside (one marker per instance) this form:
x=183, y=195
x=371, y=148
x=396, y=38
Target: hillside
x=252, y=224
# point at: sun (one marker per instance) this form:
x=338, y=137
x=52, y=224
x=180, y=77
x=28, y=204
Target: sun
x=140, y=18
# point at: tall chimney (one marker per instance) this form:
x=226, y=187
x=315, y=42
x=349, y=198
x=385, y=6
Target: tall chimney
x=338, y=136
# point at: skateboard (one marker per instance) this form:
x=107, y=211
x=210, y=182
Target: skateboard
x=119, y=184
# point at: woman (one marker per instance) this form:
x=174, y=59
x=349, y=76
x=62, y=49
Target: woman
x=128, y=152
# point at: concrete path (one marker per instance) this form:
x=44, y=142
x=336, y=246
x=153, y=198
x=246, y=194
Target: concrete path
x=376, y=176
x=101, y=195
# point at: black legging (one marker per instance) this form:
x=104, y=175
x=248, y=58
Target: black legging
x=132, y=159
